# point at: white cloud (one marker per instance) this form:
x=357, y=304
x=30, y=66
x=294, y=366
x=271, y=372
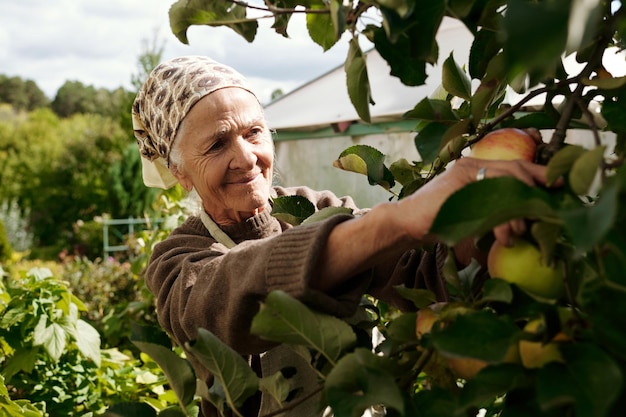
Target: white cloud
x=97, y=42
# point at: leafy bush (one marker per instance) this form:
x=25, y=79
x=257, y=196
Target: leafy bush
x=5, y=246
x=52, y=357
x=114, y=297
x=86, y=239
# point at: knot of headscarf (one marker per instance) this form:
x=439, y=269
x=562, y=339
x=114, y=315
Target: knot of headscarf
x=171, y=90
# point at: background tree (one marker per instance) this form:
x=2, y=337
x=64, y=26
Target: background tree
x=76, y=162
x=74, y=97
x=73, y=183
x=21, y=94
x=129, y=195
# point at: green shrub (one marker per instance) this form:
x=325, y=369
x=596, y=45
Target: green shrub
x=5, y=246
x=52, y=357
x=86, y=239
x=114, y=297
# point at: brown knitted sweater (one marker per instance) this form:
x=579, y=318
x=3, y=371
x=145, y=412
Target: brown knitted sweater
x=199, y=283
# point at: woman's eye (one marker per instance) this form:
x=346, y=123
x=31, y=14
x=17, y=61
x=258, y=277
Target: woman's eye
x=218, y=144
x=253, y=133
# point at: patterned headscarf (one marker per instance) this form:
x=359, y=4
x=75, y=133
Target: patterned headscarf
x=170, y=91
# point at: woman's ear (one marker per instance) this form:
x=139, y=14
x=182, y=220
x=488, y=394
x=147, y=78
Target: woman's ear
x=182, y=178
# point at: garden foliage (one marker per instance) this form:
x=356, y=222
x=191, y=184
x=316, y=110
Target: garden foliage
x=518, y=46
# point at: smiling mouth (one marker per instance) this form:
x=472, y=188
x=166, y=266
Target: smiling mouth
x=246, y=180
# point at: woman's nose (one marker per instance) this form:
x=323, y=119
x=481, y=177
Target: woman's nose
x=243, y=156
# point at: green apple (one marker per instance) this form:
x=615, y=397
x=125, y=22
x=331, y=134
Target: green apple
x=522, y=264
x=506, y=144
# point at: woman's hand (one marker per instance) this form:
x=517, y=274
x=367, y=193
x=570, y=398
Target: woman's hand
x=420, y=209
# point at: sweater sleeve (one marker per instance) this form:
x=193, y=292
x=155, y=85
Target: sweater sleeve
x=199, y=283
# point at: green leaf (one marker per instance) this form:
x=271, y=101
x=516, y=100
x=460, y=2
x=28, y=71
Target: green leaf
x=546, y=235
x=364, y=159
x=435, y=402
x=322, y=27
x=292, y=209
x=481, y=99
x=586, y=226
x=433, y=110
x=150, y=334
x=275, y=385
x=284, y=319
x=236, y=378
x=361, y=379
x=484, y=48
x=53, y=338
x=561, y=162
x=540, y=44
x=358, y=81
x=88, y=341
x=428, y=141
x=178, y=371
x=413, y=32
x=454, y=79
x=497, y=290
x=420, y=297
x=607, y=319
x=590, y=380
x=405, y=172
x=585, y=169
x=480, y=206
x=491, y=382
x=13, y=316
x=326, y=213
x=410, y=69
x=186, y=13
x=402, y=328
x=401, y=7
x=480, y=334
x=408, y=43
x=23, y=359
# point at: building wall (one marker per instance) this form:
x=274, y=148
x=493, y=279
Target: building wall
x=310, y=162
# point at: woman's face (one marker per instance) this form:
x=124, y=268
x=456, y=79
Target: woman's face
x=227, y=154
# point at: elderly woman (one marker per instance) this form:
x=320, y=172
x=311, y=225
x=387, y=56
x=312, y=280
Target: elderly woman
x=198, y=123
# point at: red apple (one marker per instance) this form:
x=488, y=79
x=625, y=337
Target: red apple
x=523, y=265
x=426, y=318
x=506, y=144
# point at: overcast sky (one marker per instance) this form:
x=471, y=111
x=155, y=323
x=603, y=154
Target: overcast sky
x=97, y=42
